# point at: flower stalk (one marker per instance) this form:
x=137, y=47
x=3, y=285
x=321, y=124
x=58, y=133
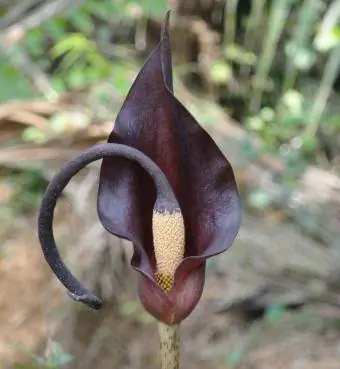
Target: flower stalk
x=169, y=345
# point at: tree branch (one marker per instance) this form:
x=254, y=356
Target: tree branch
x=16, y=32
x=16, y=11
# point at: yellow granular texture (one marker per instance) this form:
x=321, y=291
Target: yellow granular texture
x=168, y=239
x=165, y=281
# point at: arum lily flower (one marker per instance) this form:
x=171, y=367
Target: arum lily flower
x=165, y=186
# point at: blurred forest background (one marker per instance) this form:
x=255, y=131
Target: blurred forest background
x=263, y=78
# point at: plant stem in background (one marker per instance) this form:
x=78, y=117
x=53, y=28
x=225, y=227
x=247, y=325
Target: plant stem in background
x=253, y=23
x=230, y=22
x=276, y=23
x=303, y=30
x=329, y=21
x=329, y=76
x=331, y=70
x=169, y=345
x=15, y=32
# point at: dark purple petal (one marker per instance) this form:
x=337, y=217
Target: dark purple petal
x=175, y=306
x=188, y=288
x=126, y=194
x=155, y=122
x=154, y=300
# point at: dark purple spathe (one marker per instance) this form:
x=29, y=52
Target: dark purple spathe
x=157, y=158
x=153, y=121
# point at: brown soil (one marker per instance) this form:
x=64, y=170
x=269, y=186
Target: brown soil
x=33, y=310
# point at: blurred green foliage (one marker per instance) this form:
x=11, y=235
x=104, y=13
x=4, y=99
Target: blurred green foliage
x=280, y=44
x=54, y=358
x=284, y=43
x=66, y=49
x=27, y=186
x=13, y=85
x=72, y=38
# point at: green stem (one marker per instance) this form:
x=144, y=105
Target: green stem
x=305, y=25
x=280, y=10
x=326, y=85
x=230, y=22
x=169, y=344
x=257, y=15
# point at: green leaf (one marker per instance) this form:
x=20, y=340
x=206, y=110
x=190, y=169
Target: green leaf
x=58, y=84
x=220, y=72
x=76, y=78
x=73, y=42
x=309, y=144
x=267, y=114
x=129, y=308
x=82, y=21
x=292, y=121
x=293, y=102
x=55, y=28
x=33, y=134
x=57, y=356
x=13, y=84
x=303, y=58
x=327, y=40
x=34, y=41
x=248, y=149
x=334, y=121
x=275, y=313
x=100, y=12
x=239, y=55
x=19, y=347
x=255, y=123
x=120, y=79
x=234, y=358
x=259, y=200
x=146, y=318
x=59, y=122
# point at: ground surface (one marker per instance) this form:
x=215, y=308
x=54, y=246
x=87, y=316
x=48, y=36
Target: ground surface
x=34, y=309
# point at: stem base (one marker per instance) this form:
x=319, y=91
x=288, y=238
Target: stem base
x=169, y=345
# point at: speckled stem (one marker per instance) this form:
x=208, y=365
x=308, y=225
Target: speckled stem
x=170, y=343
